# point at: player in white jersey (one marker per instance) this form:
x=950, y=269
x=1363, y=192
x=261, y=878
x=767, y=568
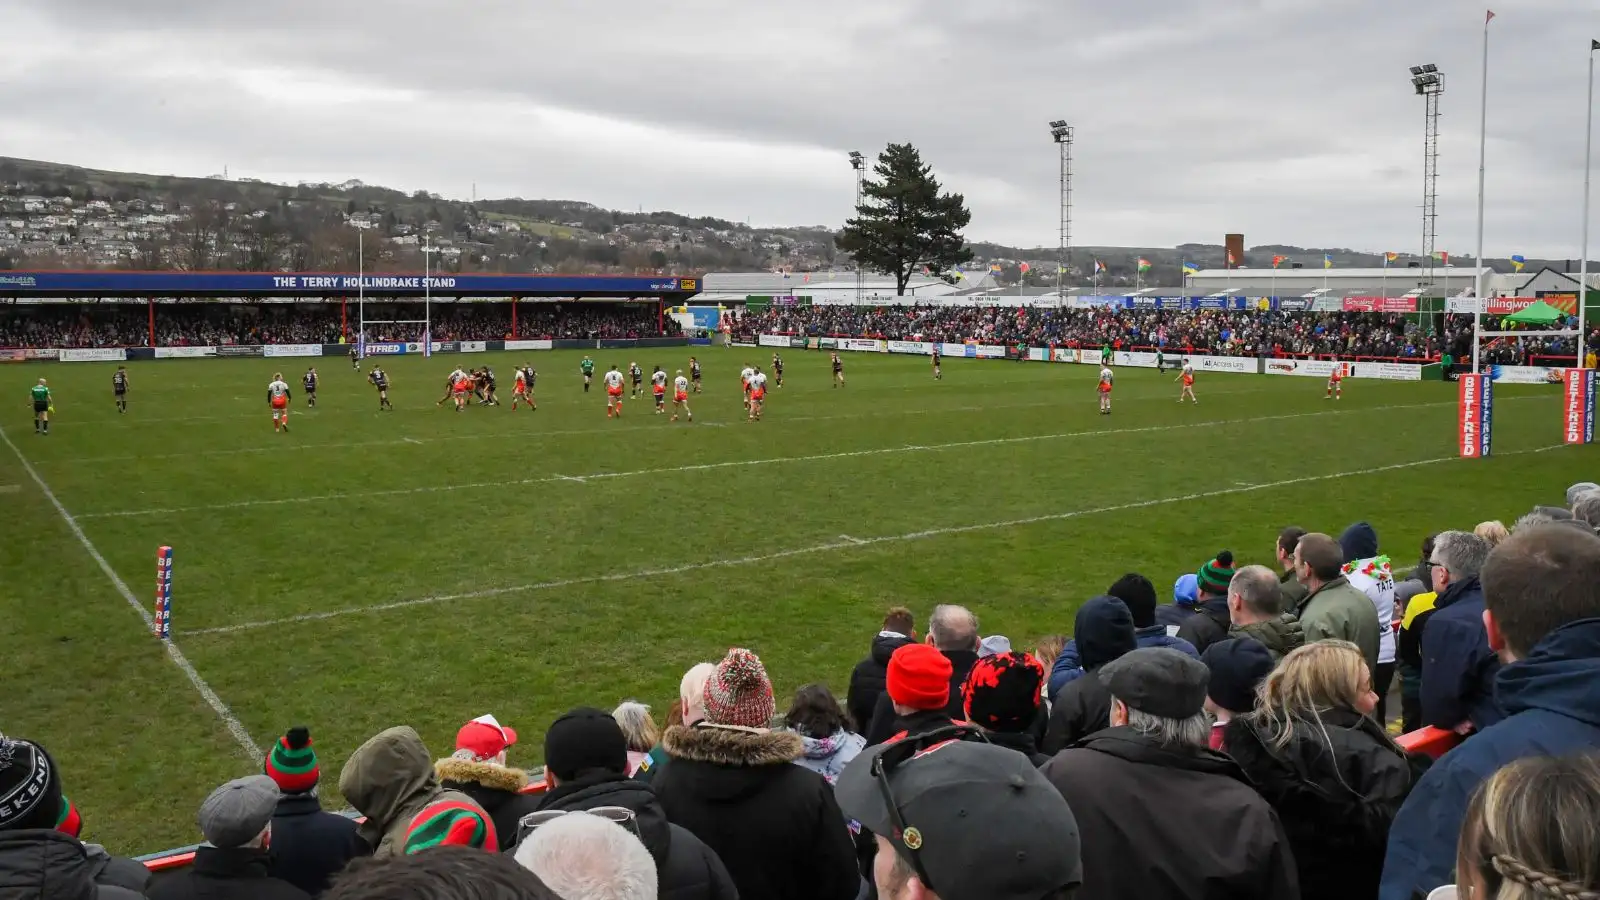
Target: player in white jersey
x=456, y=377
x=1105, y=390
x=745, y=375
x=680, y=396
x=658, y=386
x=278, y=399
x=1186, y=375
x=613, y=393
x=758, y=394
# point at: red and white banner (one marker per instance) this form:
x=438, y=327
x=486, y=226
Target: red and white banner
x=1474, y=415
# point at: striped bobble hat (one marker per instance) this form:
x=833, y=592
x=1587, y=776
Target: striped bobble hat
x=1214, y=576
x=451, y=823
x=739, y=693
x=68, y=820
x=292, y=763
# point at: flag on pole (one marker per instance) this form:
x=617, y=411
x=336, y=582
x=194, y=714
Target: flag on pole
x=1061, y=269
x=1144, y=265
x=1190, y=268
x=1278, y=261
x=1594, y=45
x=1518, y=261
x=1231, y=260
x=1442, y=256
x=1389, y=258
x=1099, y=267
x=1023, y=268
x=1488, y=18
x=1327, y=260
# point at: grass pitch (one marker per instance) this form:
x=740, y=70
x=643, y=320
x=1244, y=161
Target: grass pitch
x=424, y=566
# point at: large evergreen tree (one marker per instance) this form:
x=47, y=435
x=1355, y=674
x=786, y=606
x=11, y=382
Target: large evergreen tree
x=904, y=223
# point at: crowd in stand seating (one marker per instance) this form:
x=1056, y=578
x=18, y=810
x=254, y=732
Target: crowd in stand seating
x=177, y=325
x=1229, y=743
x=1395, y=336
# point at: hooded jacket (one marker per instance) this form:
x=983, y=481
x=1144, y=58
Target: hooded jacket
x=45, y=864
x=686, y=869
x=1458, y=668
x=1209, y=624
x=390, y=779
x=1104, y=630
x=1337, y=611
x=1180, y=822
x=1551, y=701
x=498, y=789
x=311, y=845
x=1336, y=789
x=1281, y=636
x=775, y=825
x=1068, y=667
x=870, y=676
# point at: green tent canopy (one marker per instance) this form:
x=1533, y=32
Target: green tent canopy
x=1540, y=313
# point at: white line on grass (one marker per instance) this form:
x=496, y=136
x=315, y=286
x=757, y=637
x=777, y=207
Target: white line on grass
x=276, y=447
x=731, y=464
x=10, y=488
x=241, y=736
x=844, y=543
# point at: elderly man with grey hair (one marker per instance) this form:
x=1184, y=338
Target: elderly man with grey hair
x=1152, y=774
x=953, y=631
x=582, y=856
x=1255, y=609
x=1458, y=668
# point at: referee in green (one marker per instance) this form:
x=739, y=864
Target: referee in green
x=41, y=407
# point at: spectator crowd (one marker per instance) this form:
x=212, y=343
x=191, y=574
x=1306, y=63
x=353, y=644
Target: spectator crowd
x=1229, y=742
x=219, y=324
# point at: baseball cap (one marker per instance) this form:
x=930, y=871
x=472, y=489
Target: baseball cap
x=976, y=821
x=238, y=811
x=485, y=738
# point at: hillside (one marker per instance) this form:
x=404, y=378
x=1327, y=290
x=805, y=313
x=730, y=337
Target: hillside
x=59, y=216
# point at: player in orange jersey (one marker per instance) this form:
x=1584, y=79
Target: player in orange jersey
x=758, y=394
x=613, y=393
x=461, y=389
x=680, y=397
x=278, y=399
x=1335, y=382
x=1186, y=375
x=1105, y=390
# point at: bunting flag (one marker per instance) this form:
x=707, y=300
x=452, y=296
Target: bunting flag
x=1327, y=260
x=1389, y=258
x=1488, y=18
x=1278, y=261
x=1190, y=268
x=1518, y=261
x=994, y=267
x=1144, y=265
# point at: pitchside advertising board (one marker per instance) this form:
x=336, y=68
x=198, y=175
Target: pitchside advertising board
x=1475, y=415
x=97, y=354
x=272, y=350
x=1578, y=406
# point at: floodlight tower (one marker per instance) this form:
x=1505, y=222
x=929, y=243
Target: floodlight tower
x=1061, y=133
x=859, y=163
x=1429, y=82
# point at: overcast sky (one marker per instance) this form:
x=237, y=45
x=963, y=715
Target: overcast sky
x=1292, y=121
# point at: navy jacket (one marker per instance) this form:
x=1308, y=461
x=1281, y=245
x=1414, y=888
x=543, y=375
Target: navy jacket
x=310, y=845
x=1068, y=667
x=1552, y=704
x=1458, y=668
x=1173, y=615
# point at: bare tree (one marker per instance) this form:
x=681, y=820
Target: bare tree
x=204, y=237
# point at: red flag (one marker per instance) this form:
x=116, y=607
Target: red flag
x=1230, y=258
x=1023, y=268
x=1487, y=18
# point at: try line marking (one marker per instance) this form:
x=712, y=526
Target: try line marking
x=844, y=542
x=738, y=463
x=241, y=736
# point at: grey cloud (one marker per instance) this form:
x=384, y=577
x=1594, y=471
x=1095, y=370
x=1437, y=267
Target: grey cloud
x=1188, y=113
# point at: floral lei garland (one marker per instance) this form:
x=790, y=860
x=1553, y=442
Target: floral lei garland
x=1376, y=568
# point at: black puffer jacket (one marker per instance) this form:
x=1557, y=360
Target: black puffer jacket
x=45, y=864
x=498, y=789
x=1209, y=623
x=870, y=677
x=775, y=825
x=1336, y=796
x=686, y=869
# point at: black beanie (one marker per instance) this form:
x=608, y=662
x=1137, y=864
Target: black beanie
x=1139, y=595
x=1238, y=666
x=30, y=786
x=585, y=740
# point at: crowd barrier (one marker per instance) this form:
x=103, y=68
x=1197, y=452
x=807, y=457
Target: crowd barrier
x=373, y=348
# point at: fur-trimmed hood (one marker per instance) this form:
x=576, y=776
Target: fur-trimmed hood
x=735, y=747
x=457, y=773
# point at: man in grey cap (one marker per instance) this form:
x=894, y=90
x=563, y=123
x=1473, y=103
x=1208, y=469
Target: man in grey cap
x=236, y=821
x=958, y=818
x=1203, y=830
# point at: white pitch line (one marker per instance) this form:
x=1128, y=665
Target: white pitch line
x=10, y=488
x=241, y=736
x=844, y=543
x=735, y=463
x=413, y=441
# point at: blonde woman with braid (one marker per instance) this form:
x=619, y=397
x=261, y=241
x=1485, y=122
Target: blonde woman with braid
x=1330, y=771
x=1532, y=832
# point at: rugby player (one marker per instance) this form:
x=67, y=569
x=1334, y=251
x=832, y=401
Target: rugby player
x=1335, y=383
x=450, y=385
x=278, y=399
x=1186, y=375
x=355, y=357
x=308, y=381
x=486, y=382
x=587, y=368
x=777, y=368
x=680, y=396
x=694, y=373
x=745, y=375
x=838, y=370
x=380, y=380
x=523, y=388
x=42, y=404
x=658, y=386
x=119, y=388
x=758, y=393
x=637, y=375
x=1105, y=390
x=613, y=393
x=461, y=389
x=938, y=374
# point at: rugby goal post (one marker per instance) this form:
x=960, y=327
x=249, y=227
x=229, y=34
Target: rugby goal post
x=1475, y=393
x=361, y=296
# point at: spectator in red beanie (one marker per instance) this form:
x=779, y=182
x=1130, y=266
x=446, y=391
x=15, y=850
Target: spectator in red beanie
x=953, y=631
x=731, y=781
x=1002, y=696
x=918, y=690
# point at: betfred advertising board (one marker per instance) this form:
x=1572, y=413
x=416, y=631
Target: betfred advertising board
x=1474, y=417
x=1578, y=406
